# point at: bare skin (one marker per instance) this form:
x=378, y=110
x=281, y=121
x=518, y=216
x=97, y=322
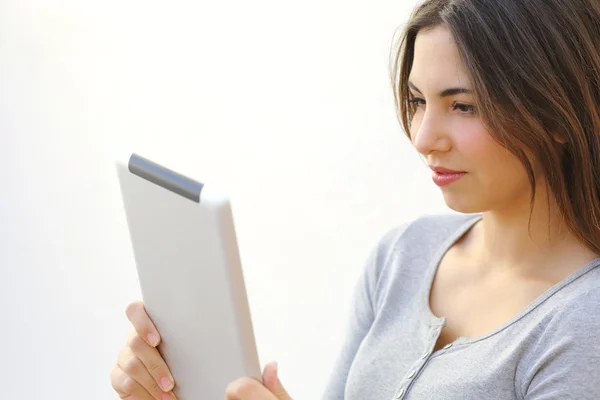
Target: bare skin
x=477, y=296
x=486, y=278
x=142, y=374
x=503, y=263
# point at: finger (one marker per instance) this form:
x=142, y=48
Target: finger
x=247, y=389
x=271, y=381
x=135, y=369
x=153, y=362
x=137, y=315
x=126, y=387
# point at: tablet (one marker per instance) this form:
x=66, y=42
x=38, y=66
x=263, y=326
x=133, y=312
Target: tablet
x=190, y=276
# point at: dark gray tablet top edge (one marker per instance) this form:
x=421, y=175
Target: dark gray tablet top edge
x=164, y=177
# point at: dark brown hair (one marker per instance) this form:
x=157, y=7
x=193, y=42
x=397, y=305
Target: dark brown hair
x=535, y=68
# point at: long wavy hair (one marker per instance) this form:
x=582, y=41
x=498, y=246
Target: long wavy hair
x=535, y=68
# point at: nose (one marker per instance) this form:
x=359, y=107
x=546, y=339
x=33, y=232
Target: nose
x=428, y=134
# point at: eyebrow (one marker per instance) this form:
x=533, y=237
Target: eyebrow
x=445, y=92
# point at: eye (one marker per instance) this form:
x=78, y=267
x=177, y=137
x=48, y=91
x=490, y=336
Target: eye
x=464, y=108
x=416, y=101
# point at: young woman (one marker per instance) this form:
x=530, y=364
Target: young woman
x=502, y=299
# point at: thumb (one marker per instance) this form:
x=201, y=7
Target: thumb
x=271, y=381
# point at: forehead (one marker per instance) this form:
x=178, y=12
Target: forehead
x=437, y=64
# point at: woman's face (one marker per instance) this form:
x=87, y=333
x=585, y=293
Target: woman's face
x=449, y=132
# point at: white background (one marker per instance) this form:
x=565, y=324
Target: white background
x=286, y=105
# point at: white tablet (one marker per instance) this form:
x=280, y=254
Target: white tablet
x=190, y=277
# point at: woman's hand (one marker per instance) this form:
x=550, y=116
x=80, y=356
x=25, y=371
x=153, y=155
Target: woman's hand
x=141, y=373
x=250, y=389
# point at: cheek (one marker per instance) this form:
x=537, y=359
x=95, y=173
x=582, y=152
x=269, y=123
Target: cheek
x=480, y=150
x=475, y=145
x=491, y=163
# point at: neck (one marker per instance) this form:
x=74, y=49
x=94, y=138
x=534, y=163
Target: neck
x=510, y=238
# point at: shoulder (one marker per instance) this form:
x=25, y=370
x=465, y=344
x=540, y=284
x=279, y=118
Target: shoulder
x=576, y=312
x=567, y=353
x=425, y=232
x=408, y=249
x=578, y=318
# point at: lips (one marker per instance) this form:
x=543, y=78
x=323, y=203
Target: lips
x=444, y=176
x=443, y=171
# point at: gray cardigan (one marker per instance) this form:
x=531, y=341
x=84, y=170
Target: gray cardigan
x=551, y=350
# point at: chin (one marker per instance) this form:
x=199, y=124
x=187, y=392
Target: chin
x=463, y=204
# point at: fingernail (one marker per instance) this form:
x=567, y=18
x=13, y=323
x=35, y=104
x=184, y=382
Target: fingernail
x=166, y=384
x=167, y=396
x=275, y=365
x=152, y=339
